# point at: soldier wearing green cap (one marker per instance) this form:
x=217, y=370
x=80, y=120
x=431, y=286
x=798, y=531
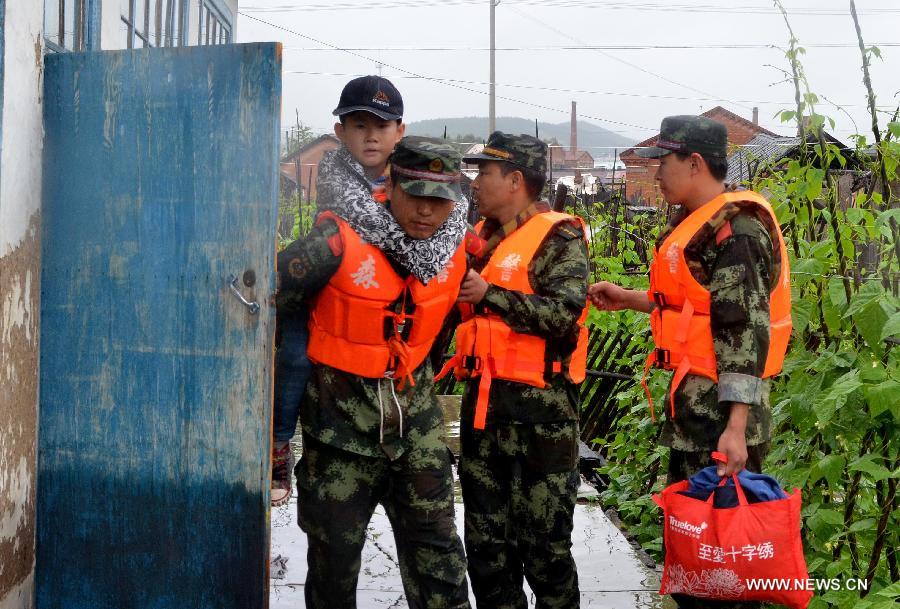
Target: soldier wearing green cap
x=732, y=297
x=372, y=429
x=521, y=349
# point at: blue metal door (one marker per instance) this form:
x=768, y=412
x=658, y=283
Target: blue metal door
x=160, y=186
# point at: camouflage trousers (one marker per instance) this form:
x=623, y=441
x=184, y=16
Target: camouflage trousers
x=519, y=484
x=337, y=495
x=683, y=465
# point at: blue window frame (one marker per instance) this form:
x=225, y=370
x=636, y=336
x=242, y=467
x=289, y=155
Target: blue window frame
x=153, y=23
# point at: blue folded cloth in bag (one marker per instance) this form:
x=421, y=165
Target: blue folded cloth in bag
x=757, y=487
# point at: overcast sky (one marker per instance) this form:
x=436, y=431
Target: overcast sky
x=425, y=46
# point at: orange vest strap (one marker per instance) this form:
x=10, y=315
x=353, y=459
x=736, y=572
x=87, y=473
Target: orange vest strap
x=452, y=363
x=684, y=367
x=484, y=392
x=684, y=321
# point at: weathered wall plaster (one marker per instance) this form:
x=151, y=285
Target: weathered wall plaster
x=20, y=249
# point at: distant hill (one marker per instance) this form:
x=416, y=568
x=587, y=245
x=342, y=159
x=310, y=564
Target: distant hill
x=590, y=136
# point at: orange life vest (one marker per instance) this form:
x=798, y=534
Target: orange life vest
x=487, y=347
x=680, y=322
x=353, y=326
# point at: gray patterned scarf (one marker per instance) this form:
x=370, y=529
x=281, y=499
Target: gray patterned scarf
x=343, y=189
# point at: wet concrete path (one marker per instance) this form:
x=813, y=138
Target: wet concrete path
x=610, y=573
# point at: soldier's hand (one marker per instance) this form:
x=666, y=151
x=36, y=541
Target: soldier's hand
x=473, y=288
x=607, y=296
x=733, y=444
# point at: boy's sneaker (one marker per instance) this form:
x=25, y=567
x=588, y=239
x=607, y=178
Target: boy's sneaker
x=282, y=466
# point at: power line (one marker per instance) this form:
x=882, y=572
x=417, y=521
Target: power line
x=580, y=4
x=585, y=91
x=599, y=47
x=614, y=58
x=582, y=46
x=444, y=82
x=695, y=8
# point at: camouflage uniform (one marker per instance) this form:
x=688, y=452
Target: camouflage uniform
x=347, y=469
x=519, y=475
x=740, y=272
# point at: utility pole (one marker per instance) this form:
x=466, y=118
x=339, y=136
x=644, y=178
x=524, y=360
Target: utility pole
x=492, y=107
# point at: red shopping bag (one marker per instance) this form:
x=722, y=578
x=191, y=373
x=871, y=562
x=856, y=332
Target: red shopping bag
x=751, y=552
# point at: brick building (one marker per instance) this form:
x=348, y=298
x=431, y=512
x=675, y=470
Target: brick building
x=308, y=157
x=640, y=180
x=567, y=159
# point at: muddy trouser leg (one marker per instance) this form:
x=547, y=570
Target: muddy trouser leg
x=543, y=507
x=419, y=504
x=495, y=566
x=337, y=494
x=683, y=465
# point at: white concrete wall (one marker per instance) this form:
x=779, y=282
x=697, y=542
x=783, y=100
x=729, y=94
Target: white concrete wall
x=20, y=248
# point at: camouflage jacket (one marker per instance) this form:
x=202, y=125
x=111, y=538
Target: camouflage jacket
x=739, y=273
x=558, y=273
x=361, y=415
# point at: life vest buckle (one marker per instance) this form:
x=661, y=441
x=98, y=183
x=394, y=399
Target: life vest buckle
x=663, y=357
x=472, y=363
x=660, y=299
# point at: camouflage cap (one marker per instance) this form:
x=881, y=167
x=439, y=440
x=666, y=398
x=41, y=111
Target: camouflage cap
x=687, y=134
x=524, y=150
x=426, y=167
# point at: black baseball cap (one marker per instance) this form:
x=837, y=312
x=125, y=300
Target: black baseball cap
x=371, y=94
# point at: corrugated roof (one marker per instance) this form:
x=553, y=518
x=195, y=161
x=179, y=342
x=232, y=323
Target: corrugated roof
x=765, y=150
x=762, y=150
x=474, y=149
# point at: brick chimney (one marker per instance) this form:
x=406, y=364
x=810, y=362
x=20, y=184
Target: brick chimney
x=573, y=136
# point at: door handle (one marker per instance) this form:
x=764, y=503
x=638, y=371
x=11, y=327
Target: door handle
x=252, y=307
